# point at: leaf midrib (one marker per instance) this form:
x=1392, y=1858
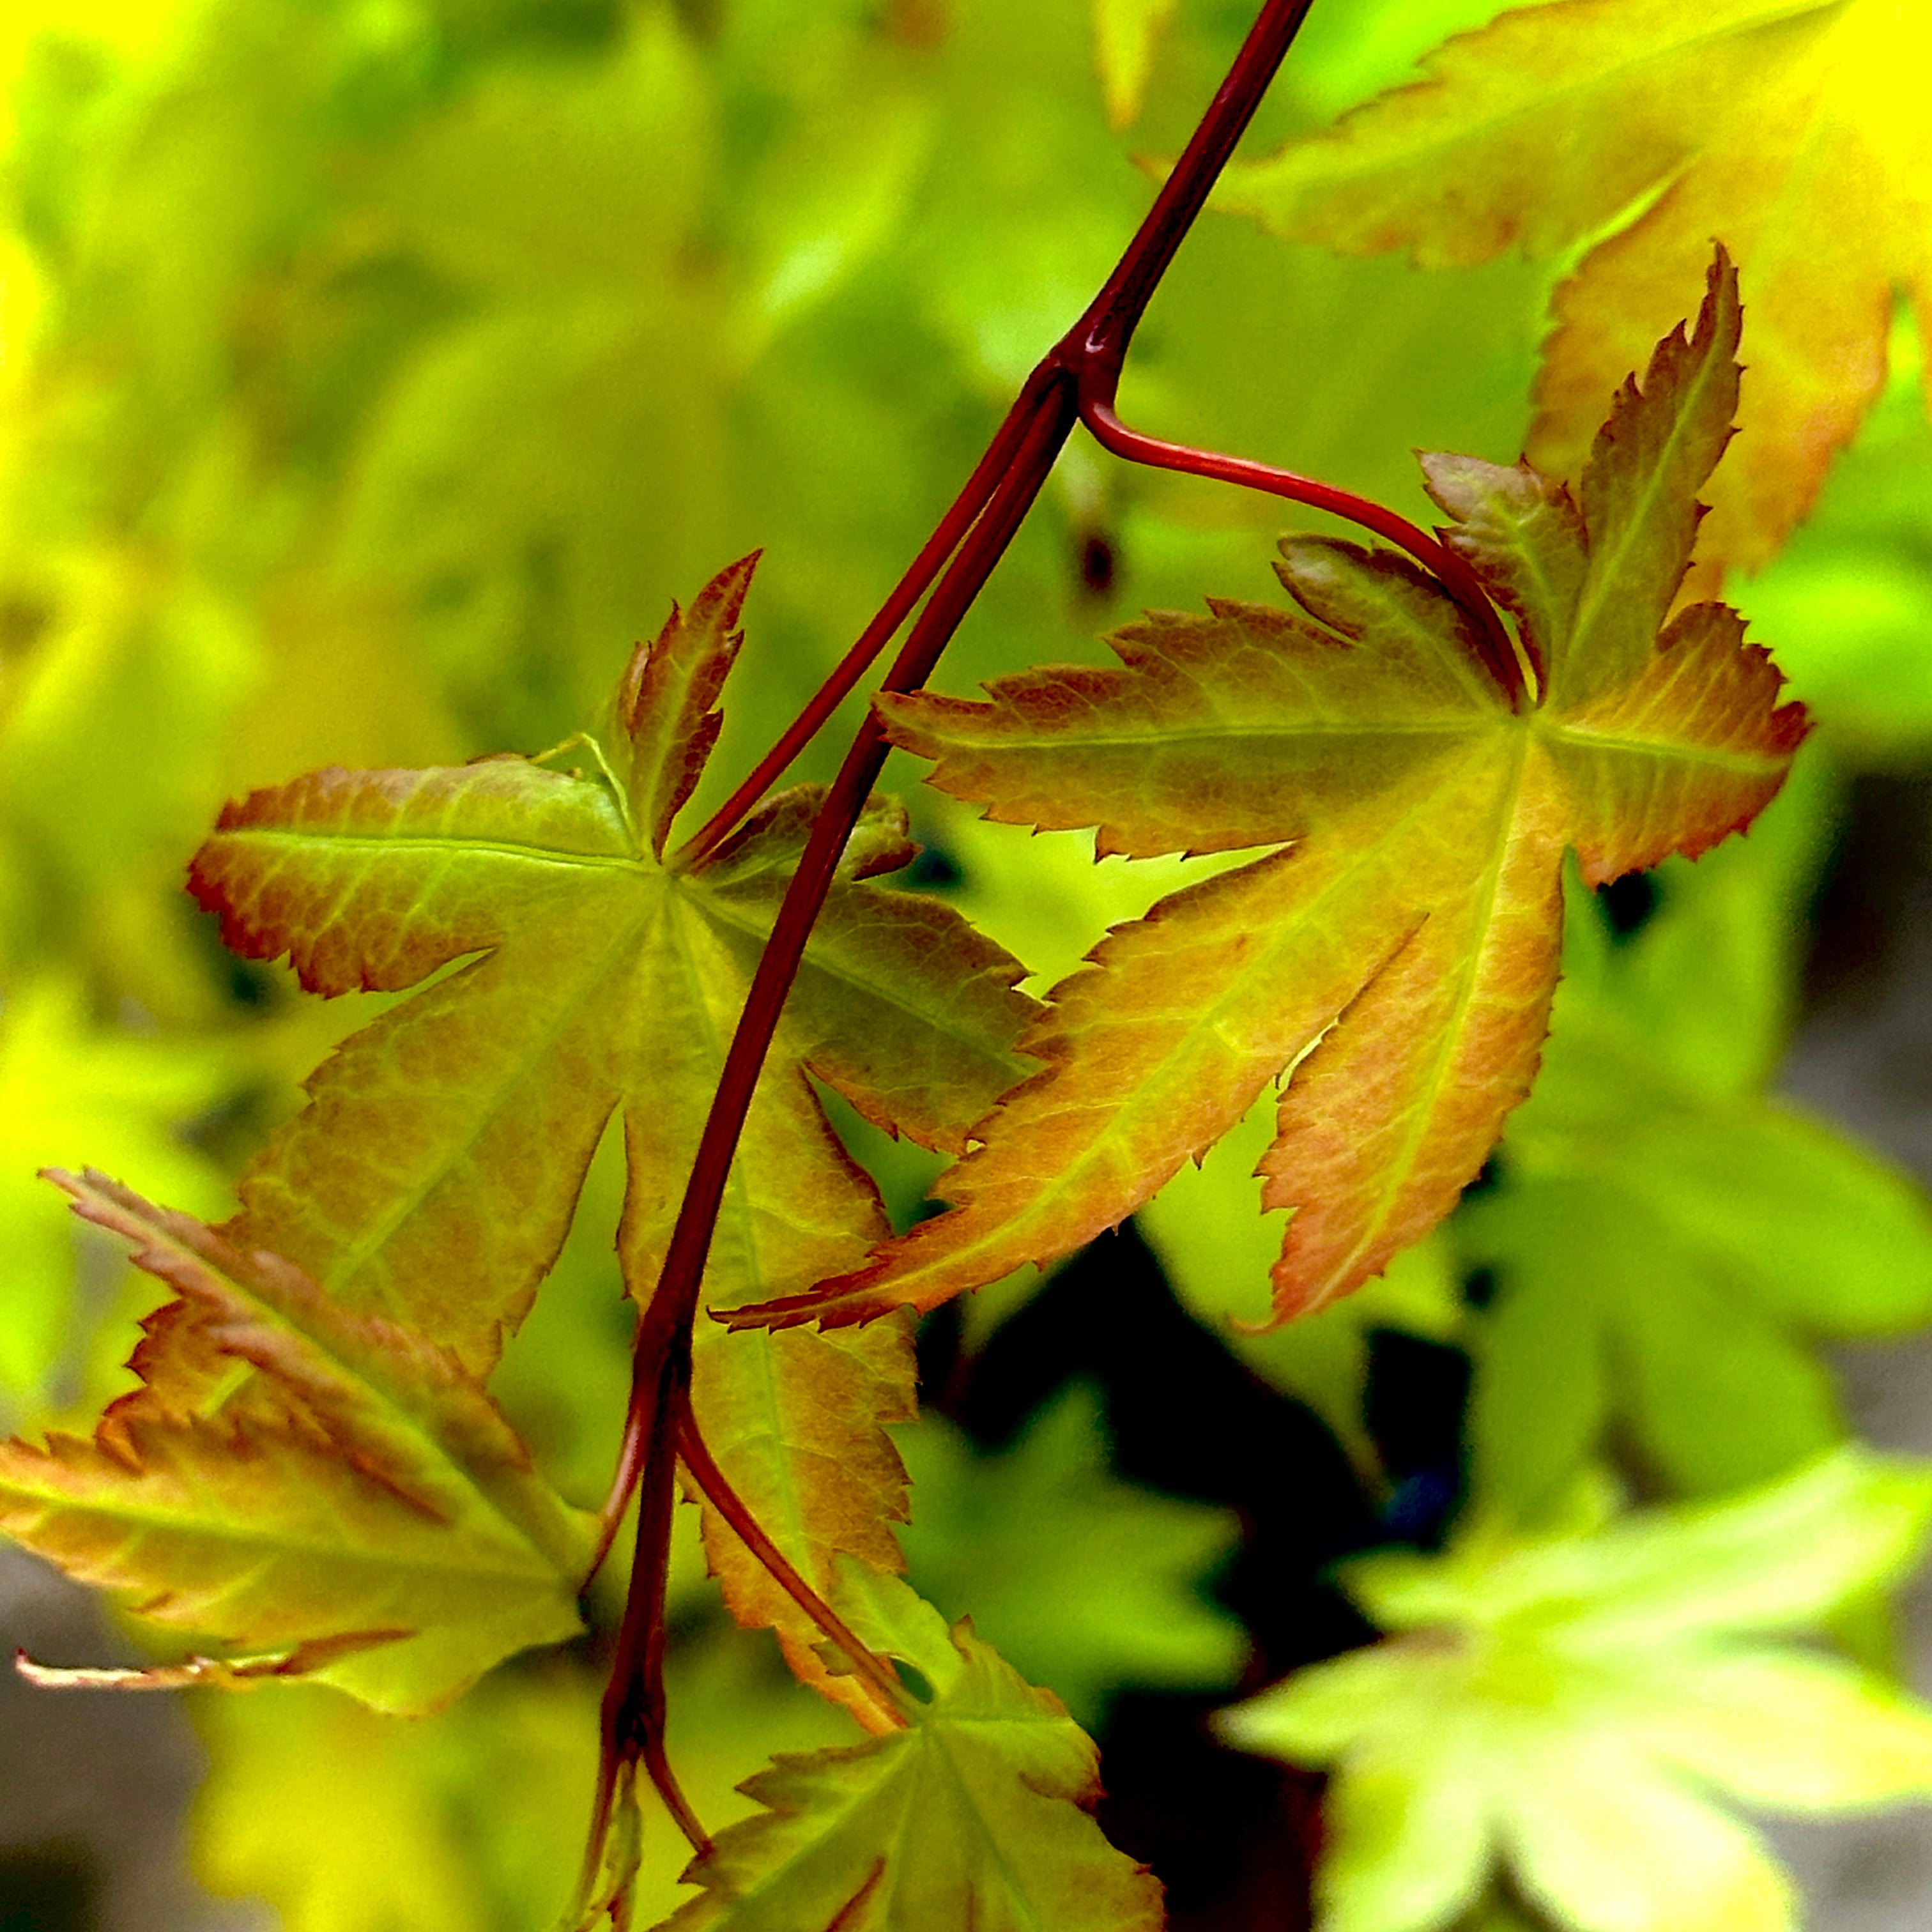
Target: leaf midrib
x=488, y=848
x=1743, y=763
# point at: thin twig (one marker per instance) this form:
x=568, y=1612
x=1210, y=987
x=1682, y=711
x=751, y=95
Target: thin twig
x=945, y=539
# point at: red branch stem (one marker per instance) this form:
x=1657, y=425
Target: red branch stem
x=1076, y=380
x=945, y=539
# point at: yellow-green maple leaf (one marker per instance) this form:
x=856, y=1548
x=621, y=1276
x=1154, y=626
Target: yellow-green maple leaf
x=1568, y=1705
x=1795, y=131
x=434, y=1173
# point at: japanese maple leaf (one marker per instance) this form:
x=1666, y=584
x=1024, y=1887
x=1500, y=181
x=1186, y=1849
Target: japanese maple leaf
x=1569, y=1704
x=1795, y=130
x=1394, y=956
x=976, y=1814
x=433, y=1173
x=356, y=1509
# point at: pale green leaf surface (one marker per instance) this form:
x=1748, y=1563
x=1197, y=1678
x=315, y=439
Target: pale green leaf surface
x=1550, y=1701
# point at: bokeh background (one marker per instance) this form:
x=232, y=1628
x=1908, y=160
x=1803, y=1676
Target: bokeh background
x=373, y=372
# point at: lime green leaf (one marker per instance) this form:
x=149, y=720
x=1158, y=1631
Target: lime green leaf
x=1564, y=1706
x=70, y=1091
x=358, y=1500
x=995, y=1775
x=1088, y=1583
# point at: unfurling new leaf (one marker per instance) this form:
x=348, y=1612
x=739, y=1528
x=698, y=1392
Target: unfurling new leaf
x=1393, y=958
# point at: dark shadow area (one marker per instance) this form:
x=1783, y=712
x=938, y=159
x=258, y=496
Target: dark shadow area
x=1233, y=1837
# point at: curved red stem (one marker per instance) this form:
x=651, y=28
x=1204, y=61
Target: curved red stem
x=1498, y=651
x=880, y=1676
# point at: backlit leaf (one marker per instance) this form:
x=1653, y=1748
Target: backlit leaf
x=1393, y=958
x=1793, y=130
x=1566, y=1705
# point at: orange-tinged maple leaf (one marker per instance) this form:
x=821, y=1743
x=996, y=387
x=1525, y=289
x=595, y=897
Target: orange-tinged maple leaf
x=435, y=1170
x=1394, y=958
x=357, y=1502
x=1795, y=130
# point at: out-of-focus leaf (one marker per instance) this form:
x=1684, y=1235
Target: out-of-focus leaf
x=1126, y=34
x=1669, y=1242
x=1792, y=132
x=996, y=1775
x=71, y=1092
x=1088, y=1584
x=1565, y=1706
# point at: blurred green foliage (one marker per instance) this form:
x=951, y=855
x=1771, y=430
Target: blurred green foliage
x=373, y=372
